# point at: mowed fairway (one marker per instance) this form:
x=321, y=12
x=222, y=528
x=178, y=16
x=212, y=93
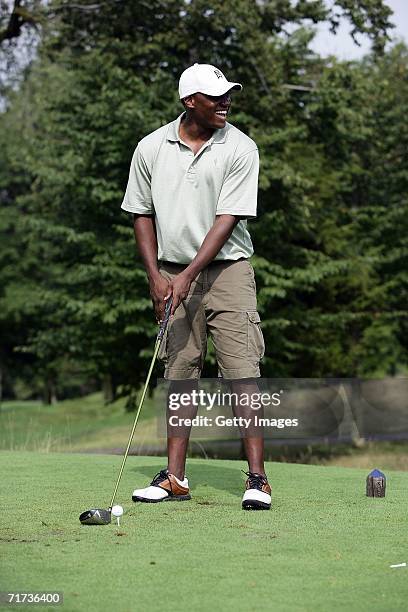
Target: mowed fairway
x=324, y=545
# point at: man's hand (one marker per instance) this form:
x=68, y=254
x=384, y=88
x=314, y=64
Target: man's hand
x=215, y=239
x=160, y=291
x=179, y=288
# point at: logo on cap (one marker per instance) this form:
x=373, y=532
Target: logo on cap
x=218, y=74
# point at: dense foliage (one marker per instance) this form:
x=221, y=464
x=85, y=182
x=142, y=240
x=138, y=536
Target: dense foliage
x=331, y=238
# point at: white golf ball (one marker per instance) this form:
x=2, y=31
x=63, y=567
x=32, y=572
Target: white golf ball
x=117, y=510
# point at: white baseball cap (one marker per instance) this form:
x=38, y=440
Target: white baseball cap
x=205, y=79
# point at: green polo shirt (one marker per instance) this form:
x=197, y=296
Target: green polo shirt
x=186, y=192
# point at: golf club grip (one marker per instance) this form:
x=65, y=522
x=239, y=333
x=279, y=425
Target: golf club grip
x=165, y=321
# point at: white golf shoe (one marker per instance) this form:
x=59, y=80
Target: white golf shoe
x=164, y=487
x=257, y=494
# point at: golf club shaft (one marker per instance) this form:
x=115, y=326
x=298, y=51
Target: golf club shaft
x=156, y=350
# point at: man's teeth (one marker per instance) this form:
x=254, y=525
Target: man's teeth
x=222, y=113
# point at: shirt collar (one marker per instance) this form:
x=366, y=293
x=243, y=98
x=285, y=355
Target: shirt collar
x=218, y=137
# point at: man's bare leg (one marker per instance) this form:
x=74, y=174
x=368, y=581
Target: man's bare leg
x=252, y=437
x=178, y=437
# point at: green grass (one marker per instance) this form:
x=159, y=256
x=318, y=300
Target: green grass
x=85, y=423
x=324, y=546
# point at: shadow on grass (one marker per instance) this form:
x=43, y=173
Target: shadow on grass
x=226, y=479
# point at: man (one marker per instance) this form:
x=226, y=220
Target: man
x=192, y=185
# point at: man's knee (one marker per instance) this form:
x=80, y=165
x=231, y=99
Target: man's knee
x=183, y=386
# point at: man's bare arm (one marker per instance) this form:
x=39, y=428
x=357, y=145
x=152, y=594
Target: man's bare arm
x=213, y=242
x=146, y=240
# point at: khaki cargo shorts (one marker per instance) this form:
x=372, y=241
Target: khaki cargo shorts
x=222, y=303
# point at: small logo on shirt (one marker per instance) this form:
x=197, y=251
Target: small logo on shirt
x=218, y=74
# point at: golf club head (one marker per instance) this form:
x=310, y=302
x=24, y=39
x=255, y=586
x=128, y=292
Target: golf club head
x=95, y=516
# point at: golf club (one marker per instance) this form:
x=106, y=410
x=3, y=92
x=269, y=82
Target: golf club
x=100, y=516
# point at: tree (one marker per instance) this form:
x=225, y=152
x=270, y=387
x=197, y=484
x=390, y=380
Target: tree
x=101, y=82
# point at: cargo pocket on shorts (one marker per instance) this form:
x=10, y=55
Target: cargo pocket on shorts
x=256, y=344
